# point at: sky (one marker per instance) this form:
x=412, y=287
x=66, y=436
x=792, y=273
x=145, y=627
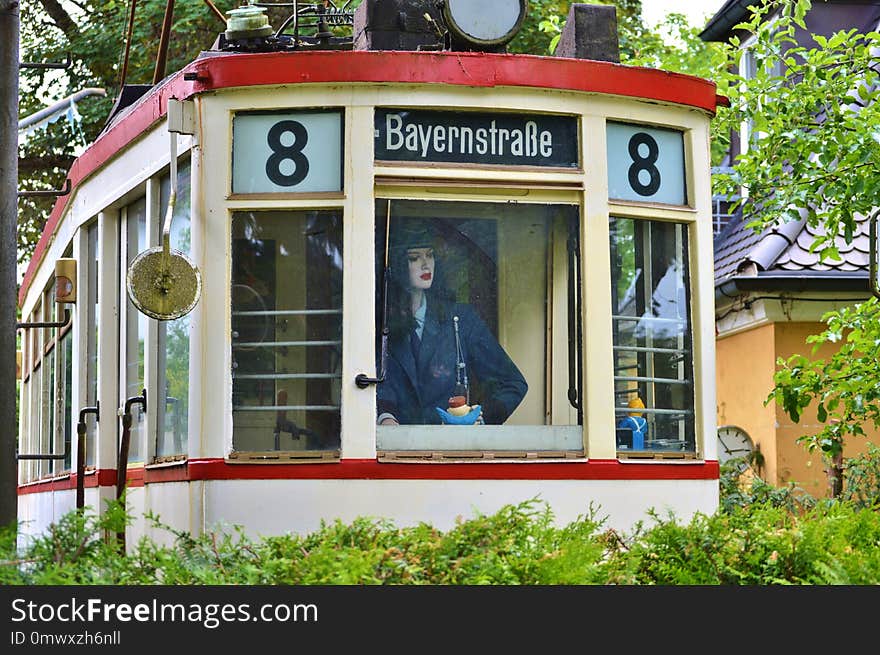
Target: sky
x=697, y=11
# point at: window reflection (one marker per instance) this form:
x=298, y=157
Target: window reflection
x=476, y=299
x=653, y=363
x=286, y=330
x=173, y=336
x=92, y=311
x=136, y=329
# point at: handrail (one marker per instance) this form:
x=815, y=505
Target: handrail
x=649, y=410
x=122, y=461
x=283, y=344
x=81, y=453
x=286, y=312
x=286, y=376
x=46, y=324
x=273, y=408
x=362, y=380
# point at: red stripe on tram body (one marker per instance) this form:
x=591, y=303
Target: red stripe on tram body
x=370, y=469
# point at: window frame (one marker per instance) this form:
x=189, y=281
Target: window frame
x=564, y=190
x=129, y=314
x=158, y=334
x=687, y=350
x=687, y=215
x=302, y=203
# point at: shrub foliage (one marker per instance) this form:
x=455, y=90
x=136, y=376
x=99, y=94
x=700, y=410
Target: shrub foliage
x=761, y=535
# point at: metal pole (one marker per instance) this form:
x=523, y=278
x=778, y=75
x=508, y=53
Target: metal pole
x=9, y=61
x=164, y=38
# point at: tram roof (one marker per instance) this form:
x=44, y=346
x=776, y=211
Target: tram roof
x=216, y=71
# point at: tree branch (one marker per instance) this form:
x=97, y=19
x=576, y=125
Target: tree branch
x=43, y=163
x=62, y=19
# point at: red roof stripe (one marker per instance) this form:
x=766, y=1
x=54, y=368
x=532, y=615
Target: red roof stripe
x=223, y=71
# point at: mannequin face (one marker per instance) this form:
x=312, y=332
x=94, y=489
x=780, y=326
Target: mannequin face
x=421, y=267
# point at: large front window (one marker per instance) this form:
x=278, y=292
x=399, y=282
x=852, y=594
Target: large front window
x=653, y=351
x=286, y=331
x=480, y=304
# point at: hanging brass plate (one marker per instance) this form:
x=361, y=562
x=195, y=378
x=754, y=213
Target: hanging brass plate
x=164, y=286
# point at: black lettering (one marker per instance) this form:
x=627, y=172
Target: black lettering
x=644, y=164
x=293, y=152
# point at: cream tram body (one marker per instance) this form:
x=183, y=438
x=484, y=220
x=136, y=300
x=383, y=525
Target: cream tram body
x=219, y=469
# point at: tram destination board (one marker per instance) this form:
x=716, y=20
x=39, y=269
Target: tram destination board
x=646, y=164
x=287, y=151
x=429, y=136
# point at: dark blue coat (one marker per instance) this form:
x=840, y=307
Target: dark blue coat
x=412, y=389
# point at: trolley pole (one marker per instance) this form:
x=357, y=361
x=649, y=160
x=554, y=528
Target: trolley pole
x=9, y=65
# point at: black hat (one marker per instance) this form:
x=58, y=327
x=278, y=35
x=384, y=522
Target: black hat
x=407, y=233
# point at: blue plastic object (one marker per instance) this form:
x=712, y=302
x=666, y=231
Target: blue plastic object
x=639, y=427
x=468, y=419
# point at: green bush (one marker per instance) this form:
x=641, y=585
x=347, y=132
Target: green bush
x=861, y=478
x=761, y=535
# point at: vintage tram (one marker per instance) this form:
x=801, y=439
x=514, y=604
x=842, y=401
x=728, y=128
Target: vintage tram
x=206, y=319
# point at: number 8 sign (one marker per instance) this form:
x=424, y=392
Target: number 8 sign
x=289, y=151
x=645, y=163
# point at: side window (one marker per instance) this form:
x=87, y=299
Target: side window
x=173, y=336
x=653, y=351
x=286, y=309
x=92, y=339
x=480, y=302
x=47, y=438
x=64, y=384
x=135, y=328
x=33, y=443
x=64, y=399
x=47, y=393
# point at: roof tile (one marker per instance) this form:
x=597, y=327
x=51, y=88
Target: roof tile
x=787, y=248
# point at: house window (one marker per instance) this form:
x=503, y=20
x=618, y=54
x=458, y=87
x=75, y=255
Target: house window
x=751, y=64
x=480, y=301
x=653, y=348
x=286, y=300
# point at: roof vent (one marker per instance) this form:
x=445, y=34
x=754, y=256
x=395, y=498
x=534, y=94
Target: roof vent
x=247, y=22
x=590, y=32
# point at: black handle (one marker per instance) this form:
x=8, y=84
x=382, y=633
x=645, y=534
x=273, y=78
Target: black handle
x=81, y=453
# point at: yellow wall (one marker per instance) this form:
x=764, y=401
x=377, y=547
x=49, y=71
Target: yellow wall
x=744, y=368
x=795, y=464
x=745, y=365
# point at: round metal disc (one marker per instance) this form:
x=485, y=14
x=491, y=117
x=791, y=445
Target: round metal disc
x=486, y=23
x=162, y=286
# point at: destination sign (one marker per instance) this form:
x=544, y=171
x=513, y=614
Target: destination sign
x=287, y=151
x=646, y=163
x=476, y=138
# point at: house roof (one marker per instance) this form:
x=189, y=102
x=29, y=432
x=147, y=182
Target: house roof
x=721, y=24
x=780, y=256
x=825, y=17
x=782, y=252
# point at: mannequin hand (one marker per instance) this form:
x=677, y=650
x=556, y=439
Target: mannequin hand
x=468, y=419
